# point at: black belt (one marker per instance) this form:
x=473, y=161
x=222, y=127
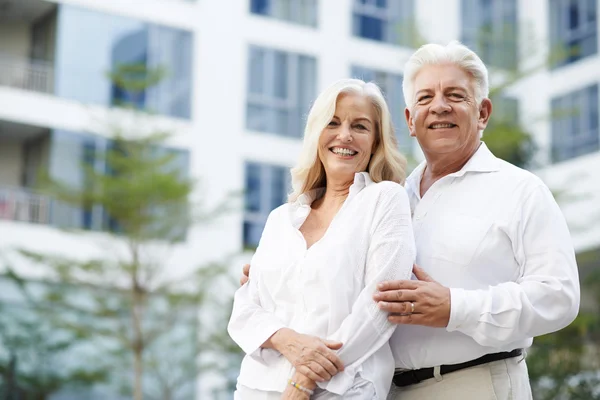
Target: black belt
x=410, y=377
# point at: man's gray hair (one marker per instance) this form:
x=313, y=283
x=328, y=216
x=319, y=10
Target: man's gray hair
x=453, y=53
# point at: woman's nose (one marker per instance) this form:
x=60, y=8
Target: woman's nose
x=345, y=134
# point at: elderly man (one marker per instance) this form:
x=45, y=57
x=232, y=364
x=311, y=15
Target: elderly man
x=500, y=264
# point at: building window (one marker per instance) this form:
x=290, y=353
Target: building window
x=391, y=86
x=281, y=87
x=388, y=21
x=573, y=29
x=267, y=187
x=575, y=124
x=123, y=45
x=298, y=11
x=490, y=28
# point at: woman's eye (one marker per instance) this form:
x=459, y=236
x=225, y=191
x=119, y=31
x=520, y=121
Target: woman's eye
x=360, y=126
x=333, y=123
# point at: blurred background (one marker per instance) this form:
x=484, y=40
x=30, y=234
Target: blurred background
x=143, y=144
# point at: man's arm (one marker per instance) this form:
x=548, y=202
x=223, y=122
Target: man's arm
x=544, y=299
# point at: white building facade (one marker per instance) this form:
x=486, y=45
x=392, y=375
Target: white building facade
x=241, y=77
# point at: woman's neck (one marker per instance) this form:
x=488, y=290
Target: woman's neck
x=334, y=196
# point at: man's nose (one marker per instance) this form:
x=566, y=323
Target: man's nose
x=440, y=105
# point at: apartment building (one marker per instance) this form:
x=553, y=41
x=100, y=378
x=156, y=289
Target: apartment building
x=242, y=76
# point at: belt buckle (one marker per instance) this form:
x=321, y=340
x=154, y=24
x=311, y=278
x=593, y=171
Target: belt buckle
x=415, y=378
x=410, y=376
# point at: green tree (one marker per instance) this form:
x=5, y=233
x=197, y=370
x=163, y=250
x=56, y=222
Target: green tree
x=126, y=297
x=566, y=364
x=30, y=357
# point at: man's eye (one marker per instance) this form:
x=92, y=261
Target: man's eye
x=423, y=98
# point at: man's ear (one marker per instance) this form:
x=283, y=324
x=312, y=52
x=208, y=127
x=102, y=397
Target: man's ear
x=410, y=122
x=485, y=112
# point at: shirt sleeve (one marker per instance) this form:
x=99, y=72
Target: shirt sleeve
x=391, y=255
x=544, y=299
x=250, y=324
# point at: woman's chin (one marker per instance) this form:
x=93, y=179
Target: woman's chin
x=341, y=174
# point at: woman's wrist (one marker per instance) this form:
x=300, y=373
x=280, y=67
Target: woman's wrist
x=299, y=387
x=304, y=381
x=278, y=339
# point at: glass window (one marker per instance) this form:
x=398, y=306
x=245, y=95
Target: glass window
x=384, y=21
x=302, y=12
x=70, y=154
x=490, y=28
x=91, y=44
x=391, y=86
x=281, y=87
x=267, y=187
x=575, y=124
x=573, y=29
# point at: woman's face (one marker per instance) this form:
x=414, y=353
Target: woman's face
x=346, y=144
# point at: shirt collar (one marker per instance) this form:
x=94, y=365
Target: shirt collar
x=300, y=208
x=482, y=161
x=361, y=180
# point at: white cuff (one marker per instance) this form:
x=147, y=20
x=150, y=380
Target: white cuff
x=340, y=383
x=251, y=344
x=265, y=356
x=464, y=309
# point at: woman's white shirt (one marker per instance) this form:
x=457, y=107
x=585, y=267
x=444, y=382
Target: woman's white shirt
x=326, y=290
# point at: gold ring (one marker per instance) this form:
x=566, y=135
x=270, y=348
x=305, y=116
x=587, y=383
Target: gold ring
x=412, y=308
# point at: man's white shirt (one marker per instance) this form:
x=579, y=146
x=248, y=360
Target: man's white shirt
x=327, y=290
x=494, y=234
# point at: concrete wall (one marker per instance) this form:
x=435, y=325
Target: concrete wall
x=15, y=39
x=10, y=162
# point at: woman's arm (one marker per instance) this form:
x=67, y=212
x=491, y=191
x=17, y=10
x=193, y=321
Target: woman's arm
x=391, y=255
x=263, y=336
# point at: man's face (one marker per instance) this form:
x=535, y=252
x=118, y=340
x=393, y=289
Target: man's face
x=445, y=117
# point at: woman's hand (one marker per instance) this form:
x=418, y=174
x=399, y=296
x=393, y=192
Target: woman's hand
x=311, y=356
x=292, y=393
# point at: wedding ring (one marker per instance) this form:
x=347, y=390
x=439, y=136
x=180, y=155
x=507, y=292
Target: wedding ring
x=412, y=308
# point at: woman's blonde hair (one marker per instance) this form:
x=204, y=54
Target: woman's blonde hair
x=386, y=164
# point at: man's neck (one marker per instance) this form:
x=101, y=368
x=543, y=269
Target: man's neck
x=437, y=166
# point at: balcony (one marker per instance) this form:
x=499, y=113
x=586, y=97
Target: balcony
x=27, y=44
x=21, y=204
x=22, y=73
x=24, y=152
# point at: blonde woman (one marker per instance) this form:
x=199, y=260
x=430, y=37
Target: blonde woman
x=306, y=318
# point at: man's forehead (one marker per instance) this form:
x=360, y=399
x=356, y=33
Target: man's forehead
x=443, y=76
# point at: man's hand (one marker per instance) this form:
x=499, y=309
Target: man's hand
x=311, y=356
x=245, y=274
x=423, y=302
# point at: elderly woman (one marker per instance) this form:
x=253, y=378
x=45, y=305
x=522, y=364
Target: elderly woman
x=346, y=227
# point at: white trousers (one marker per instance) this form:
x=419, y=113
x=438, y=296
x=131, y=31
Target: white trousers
x=499, y=380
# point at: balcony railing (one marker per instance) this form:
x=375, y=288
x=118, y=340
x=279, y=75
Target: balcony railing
x=20, y=204
x=26, y=74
